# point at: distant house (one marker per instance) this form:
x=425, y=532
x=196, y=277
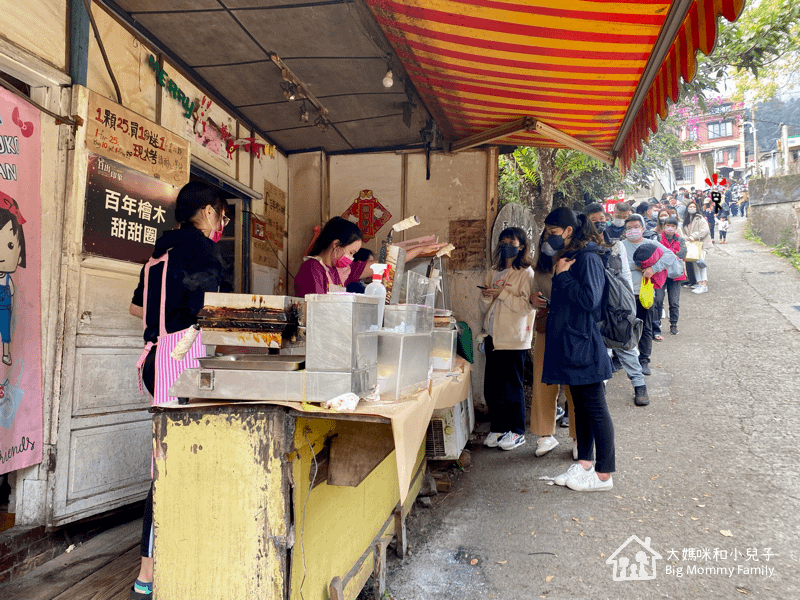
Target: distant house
x=719, y=134
x=634, y=561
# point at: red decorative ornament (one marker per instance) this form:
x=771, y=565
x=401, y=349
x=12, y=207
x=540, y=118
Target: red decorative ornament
x=370, y=215
x=717, y=181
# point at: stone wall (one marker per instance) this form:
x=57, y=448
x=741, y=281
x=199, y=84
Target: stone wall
x=775, y=210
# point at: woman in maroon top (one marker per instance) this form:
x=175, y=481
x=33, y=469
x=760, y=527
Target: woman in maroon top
x=329, y=266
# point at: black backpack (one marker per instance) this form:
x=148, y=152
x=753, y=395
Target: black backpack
x=618, y=323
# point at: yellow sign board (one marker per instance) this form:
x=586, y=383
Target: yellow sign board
x=128, y=138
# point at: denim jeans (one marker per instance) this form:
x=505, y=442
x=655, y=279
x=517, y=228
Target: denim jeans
x=672, y=291
x=630, y=362
x=502, y=388
x=593, y=425
x=646, y=341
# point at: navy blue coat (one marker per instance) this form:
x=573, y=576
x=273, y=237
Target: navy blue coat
x=574, y=353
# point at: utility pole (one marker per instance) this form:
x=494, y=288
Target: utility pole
x=756, y=170
x=785, y=148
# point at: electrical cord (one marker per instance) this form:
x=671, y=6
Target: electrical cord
x=274, y=250
x=305, y=504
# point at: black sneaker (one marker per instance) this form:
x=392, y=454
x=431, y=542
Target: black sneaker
x=640, y=397
x=564, y=421
x=673, y=329
x=645, y=368
x=616, y=363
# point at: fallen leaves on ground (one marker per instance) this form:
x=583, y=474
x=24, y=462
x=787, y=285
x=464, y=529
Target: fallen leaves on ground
x=725, y=532
x=473, y=562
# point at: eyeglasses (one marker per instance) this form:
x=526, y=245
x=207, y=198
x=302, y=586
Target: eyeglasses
x=225, y=219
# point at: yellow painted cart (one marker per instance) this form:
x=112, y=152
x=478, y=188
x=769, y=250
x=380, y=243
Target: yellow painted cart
x=278, y=500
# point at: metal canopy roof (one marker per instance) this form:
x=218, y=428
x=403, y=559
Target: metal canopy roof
x=585, y=74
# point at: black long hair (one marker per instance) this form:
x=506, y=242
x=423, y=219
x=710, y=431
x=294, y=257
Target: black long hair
x=337, y=228
x=194, y=197
x=521, y=260
x=687, y=218
x=10, y=214
x=583, y=232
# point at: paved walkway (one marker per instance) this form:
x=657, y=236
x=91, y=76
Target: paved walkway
x=708, y=472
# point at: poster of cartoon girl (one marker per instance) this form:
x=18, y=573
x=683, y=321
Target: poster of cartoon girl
x=12, y=256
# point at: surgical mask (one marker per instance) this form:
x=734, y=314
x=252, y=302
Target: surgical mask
x=662, y=220
x=508, y=250
x=633, y=234
x=670, y=230
x=344, y=261
x=553, y=244
x=618, y=222
x=215, y=235
x=692, y=210
x=601, y=226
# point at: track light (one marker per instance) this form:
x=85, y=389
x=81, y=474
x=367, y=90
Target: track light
x=290, y=91
x=303, y=113
x=321, y=123
x=388, y=79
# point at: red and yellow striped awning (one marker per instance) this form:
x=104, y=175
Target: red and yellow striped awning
x=576, y=66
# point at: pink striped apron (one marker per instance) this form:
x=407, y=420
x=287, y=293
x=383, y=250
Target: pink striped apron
x=167, y=368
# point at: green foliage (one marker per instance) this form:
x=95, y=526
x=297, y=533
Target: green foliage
x=759, y=52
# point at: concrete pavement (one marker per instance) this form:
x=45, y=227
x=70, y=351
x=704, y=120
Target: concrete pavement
x=708, y=472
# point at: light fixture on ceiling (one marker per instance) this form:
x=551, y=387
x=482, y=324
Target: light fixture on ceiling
x=388, y=79
x=303, y=113
x=290, y=91
x=322, y=123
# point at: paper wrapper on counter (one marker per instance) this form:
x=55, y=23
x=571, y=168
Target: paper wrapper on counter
x=182, y=347
x=342, y=403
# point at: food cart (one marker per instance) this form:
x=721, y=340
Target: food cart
x=260, y=492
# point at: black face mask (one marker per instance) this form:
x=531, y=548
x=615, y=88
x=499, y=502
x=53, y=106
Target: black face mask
x=508, y=251
x=553, y=244
x=601, y=226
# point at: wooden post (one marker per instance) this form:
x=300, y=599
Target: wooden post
x=379, y=571
x=400, y=532
x=491, y=196
x=336, y=589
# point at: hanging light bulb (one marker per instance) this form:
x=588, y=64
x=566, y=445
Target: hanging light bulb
x=303, y=113
x=321, y=123
x=388, y=79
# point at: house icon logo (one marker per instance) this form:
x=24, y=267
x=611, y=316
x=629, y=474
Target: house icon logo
x=634, y=562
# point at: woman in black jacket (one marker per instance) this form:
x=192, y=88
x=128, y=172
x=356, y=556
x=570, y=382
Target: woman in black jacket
x=575, y=354
x=195, y=267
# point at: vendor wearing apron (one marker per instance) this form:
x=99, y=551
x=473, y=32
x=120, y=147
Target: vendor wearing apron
x=330, y=267
x=194, y=268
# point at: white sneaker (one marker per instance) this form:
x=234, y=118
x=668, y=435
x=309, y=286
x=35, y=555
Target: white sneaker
x=588, y=481
x=574, y=470
x=545, y=444
x=700, y=289
x=511, y=440
x=491, y=439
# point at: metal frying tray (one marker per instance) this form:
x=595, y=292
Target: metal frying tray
x=254, y=362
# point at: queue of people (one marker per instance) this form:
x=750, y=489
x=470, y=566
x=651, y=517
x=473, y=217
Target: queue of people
x=553, y=305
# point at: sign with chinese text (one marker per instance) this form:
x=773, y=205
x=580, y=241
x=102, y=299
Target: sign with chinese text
x=126, y=211
x=117, y=133
x=21, y=431
x=267, y=234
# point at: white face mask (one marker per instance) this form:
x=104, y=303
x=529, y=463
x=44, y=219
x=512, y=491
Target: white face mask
x=618, y=222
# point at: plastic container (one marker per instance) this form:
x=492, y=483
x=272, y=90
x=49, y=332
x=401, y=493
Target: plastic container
x=411, y=318
x=376, y=289
x=443, y=349
x=403, y=363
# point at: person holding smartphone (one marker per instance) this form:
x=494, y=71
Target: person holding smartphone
x=506, y=338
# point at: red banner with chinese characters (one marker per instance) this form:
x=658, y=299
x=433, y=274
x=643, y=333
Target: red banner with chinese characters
x=126, y=211
x=122, y=135
x=20, y=285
